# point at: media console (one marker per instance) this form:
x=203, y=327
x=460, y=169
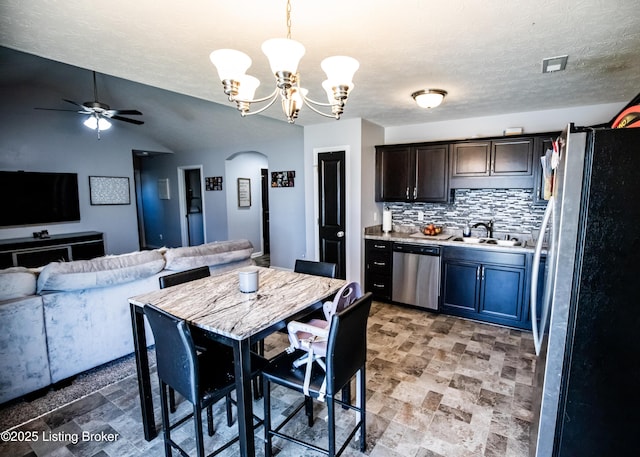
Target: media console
x=36, y=252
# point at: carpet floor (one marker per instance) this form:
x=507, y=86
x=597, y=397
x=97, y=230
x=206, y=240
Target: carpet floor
x=31, y=407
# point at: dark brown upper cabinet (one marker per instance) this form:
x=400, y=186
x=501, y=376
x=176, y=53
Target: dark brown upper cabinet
x=408, y=173
x=500, y=163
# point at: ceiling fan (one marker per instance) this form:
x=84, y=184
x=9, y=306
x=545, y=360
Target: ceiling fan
x=99, y=113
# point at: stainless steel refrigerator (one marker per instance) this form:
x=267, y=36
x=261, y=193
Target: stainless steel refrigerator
x=587, y=384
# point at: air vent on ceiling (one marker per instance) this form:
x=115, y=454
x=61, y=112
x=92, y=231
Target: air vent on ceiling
x=552, y=64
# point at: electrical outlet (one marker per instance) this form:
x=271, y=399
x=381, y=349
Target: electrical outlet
x=420, y=215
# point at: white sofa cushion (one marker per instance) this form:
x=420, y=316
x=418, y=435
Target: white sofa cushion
x=216, y=253
x=100, y=272
x=16, y=282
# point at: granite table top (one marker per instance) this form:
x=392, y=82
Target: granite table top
x=216, y=304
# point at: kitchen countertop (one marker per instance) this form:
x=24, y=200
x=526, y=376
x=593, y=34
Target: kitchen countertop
x=376, y=233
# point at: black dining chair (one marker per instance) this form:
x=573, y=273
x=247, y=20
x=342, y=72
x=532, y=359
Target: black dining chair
x=202, y=378
x=311, y=267
x=344, y=357
x=201, y=341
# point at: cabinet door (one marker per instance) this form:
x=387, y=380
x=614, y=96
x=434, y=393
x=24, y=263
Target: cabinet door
x=432, y=173
x=460, y=284
x=86, y=251
x=501, y=294
x=393, y=177
x=471, y=159
x=512, y=157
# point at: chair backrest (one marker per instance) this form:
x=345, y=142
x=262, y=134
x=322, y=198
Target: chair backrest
x=311, y=267
x=347, y=343
x=349, y=293
x=175, y=353
x=184, y=276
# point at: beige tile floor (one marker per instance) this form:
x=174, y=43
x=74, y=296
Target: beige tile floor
x=436, y=385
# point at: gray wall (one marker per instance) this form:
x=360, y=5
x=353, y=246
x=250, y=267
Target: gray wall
x=34, y=140
x=197, y=132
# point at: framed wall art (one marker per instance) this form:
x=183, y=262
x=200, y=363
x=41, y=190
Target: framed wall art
x=244, y=192
x=109, y=190
x=213, y=183
x=283, y=178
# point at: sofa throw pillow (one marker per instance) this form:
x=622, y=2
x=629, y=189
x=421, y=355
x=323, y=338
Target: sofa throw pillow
x=100, y=272
x=16, y=282
x=209, y=254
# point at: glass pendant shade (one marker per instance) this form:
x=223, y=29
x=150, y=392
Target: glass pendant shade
x=283, y=54
x=93, y=123
x=340, y=70
x=247, y=87
x=231, y=64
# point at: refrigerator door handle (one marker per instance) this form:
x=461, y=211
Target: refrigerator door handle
x=538, y=332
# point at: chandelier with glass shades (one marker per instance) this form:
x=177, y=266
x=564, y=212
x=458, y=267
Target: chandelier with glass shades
x=284, y=54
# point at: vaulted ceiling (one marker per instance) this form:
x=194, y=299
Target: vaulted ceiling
x=486, y=54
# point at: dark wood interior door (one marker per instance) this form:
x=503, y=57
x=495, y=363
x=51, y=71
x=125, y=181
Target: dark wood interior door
x=331, y=215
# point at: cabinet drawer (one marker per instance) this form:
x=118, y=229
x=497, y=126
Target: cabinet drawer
x=379, y=285
x=379, y=263
x=373, y=246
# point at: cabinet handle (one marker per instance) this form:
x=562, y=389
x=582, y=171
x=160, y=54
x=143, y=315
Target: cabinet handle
x=379, y=286
x=407, y=193
x=478, y=273
x=482, y=270
x=380, y=264
x=415, y=192
x=379, y=246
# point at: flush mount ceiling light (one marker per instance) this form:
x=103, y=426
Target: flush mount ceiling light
x=284, y=54
x=429, y=98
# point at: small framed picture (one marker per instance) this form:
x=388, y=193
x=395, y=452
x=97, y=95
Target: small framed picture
x=244, y=192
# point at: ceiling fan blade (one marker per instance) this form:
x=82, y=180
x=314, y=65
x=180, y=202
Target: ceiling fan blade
x=74, y=103
x=131, y=121
x=126, y=111
x=56, y=109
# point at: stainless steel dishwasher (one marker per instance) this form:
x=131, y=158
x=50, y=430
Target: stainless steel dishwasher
x=416, y=275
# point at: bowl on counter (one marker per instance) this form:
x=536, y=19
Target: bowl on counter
x=432, y=230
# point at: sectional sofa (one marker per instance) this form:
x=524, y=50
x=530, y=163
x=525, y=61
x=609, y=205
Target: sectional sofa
x=68, y=317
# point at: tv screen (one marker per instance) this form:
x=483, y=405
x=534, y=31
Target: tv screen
x=38, y=198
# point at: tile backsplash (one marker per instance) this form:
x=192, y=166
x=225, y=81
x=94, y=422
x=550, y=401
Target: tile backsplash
x=511, y=209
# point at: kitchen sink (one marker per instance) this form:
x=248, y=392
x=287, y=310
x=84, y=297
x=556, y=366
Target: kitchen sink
x=490, y=241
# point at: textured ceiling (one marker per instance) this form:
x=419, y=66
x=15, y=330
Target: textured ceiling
x=486, y=54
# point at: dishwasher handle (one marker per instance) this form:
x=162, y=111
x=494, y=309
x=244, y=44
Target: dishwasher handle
x=416, y=249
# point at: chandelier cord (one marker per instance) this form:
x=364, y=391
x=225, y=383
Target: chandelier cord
x=289, y=19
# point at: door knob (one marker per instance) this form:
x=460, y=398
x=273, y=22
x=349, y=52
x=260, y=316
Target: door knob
x=340, y=234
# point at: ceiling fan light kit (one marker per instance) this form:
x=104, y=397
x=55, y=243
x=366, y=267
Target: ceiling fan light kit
x=429, y=98
x=284, y=55
x=99, y=114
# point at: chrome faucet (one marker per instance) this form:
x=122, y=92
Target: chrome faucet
x=488, y=226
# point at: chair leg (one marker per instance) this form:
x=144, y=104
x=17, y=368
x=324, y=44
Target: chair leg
x=308, y=409
x=210, y=429
x=346, y=395
x=166, y=430
x=197, y=420
x=362, y=404
x=331, y=424
x=172, y=400
x=266, y=401
x=258, y=348
x=229, y=410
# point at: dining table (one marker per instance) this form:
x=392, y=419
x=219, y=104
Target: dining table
x=216, y=306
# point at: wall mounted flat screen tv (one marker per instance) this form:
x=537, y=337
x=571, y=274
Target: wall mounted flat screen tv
x=38, y=198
